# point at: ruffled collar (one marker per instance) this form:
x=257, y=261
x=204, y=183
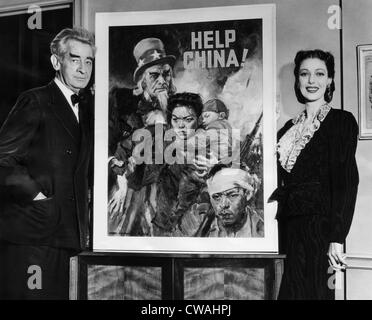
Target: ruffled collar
x=297, y=137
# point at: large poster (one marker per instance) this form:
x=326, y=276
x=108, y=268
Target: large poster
x=185, y=130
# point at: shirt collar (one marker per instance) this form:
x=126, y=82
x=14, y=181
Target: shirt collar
x=67, y=92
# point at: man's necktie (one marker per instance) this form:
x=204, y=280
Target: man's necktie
x=75, y=99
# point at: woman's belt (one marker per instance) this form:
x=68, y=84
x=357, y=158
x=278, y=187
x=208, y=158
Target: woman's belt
x=296, y=199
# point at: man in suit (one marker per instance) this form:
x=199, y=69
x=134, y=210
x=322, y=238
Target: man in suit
x=45, y=154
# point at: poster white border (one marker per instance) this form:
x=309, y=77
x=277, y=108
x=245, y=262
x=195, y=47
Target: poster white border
x=101, y=240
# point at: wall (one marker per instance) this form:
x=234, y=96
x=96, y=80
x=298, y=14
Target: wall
x=356, y=16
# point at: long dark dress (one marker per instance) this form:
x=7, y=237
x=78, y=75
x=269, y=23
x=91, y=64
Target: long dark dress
x=316, y=203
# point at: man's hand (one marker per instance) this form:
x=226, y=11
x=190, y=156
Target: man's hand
x=336, y=258
x=39, y=196
x=116, y=204
x=115, y=162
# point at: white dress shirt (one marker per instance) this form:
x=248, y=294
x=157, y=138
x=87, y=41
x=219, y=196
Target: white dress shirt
x=68, y=93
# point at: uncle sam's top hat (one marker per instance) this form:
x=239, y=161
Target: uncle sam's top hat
x=149, y=52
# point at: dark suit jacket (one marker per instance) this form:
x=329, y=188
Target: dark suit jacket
x=44, y=149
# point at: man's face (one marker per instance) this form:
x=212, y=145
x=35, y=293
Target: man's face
x=229, y=206
x=157, y=80
x=75, y=69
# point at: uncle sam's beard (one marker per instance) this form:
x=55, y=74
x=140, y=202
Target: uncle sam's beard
x=162, y=99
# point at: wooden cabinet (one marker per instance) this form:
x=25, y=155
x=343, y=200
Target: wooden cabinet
x=129, y=276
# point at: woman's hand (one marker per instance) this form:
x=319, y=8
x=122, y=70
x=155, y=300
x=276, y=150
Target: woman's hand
x=336, y=259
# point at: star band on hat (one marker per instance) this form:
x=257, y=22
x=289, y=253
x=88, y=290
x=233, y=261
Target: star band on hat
x=149, y=52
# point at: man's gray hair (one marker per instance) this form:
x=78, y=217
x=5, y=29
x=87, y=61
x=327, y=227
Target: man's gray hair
x=58, y=44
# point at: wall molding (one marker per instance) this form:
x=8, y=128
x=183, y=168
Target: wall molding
x=355, y=261
x=359, y=261
x=23, y=7
x=79, y=9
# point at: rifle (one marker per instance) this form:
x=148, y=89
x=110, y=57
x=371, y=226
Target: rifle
x=205, y=225
x=245, y=147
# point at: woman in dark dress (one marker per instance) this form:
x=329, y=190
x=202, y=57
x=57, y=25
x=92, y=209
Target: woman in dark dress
x=318, y=182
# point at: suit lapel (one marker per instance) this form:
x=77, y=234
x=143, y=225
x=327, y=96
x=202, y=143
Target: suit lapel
x=63, y=112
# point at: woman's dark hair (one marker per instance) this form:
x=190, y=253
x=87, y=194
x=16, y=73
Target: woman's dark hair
x=329, y=61
x=184, y=99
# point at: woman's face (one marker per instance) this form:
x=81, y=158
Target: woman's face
x=313, y=79
x=184, y=121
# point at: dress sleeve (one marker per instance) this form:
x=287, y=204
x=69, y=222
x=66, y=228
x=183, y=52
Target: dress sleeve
x=343, y=175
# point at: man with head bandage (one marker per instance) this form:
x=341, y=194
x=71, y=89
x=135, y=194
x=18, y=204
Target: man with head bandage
x=230, y=190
